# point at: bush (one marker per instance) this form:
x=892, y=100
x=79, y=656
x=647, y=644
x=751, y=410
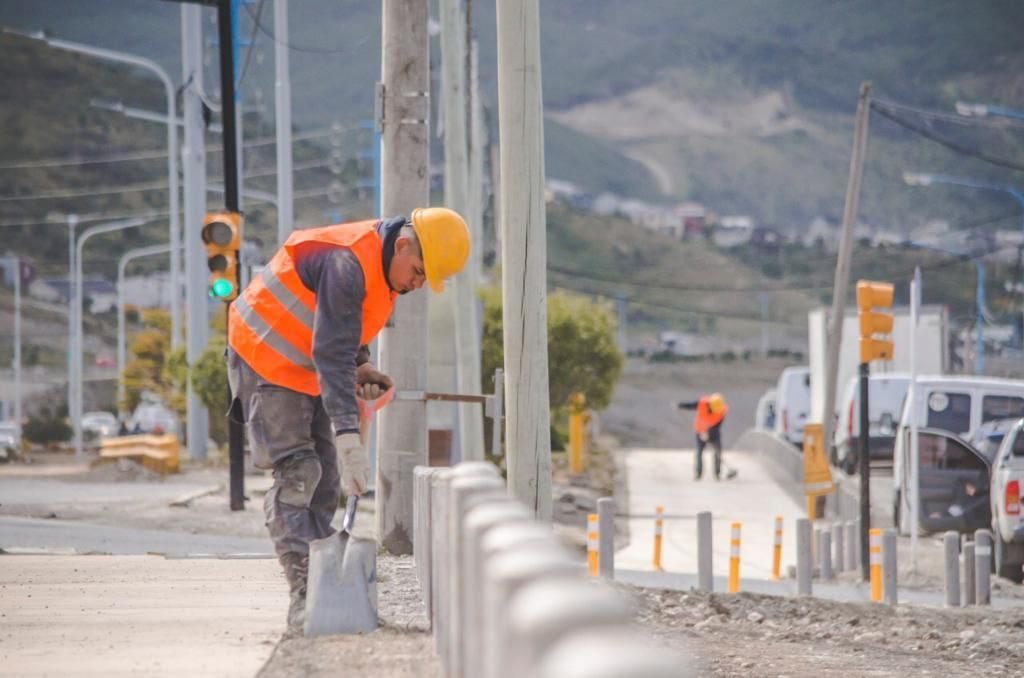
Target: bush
x=46, y=427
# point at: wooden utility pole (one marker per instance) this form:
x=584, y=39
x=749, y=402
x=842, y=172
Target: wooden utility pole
x=456, y=192
x=842, y=279
x=405, y=185
x=524, y=254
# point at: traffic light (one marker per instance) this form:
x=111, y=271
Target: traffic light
x=872, y=296
x=222, y=237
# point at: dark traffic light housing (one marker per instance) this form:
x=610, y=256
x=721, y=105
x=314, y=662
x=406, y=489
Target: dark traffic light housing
x=222, y=235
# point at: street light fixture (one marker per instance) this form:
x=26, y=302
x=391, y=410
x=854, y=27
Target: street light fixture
x=985, y=110
x=172, y=146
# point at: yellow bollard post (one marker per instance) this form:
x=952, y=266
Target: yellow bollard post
x=875, y=560
x=577, y=405
x=659, y=512
x=734, y=559
x=592, y=545
x=777, y=549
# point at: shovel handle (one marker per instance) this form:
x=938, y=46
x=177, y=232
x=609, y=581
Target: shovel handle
x=350, y=513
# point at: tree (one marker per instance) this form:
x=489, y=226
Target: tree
x=582, y=353
x=151, y=366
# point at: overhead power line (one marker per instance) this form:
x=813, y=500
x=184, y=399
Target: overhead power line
x=962, y=149
x=952, y=118
x=297, y=48
x=132, y=156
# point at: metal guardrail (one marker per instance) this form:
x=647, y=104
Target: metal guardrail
x=506, y=599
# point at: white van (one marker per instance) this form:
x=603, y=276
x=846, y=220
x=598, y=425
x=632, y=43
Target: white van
x=764, y=415
x=885, y=398
x=793, y=403
x=956, y=404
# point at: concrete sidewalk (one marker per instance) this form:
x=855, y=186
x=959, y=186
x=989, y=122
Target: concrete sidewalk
x=665, y=477
x=138, y=615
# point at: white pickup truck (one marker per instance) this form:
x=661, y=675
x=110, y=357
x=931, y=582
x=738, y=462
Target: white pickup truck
x=1005, y=497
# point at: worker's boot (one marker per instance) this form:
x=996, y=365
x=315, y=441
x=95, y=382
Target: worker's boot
x=296, y=571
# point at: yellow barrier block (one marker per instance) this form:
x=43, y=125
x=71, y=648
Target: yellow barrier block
x=156, y=452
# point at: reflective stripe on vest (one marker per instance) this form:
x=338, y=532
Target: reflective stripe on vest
x=271, y=322
x=706, y=419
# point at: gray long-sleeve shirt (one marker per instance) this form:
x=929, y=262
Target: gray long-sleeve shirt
x=335, y=276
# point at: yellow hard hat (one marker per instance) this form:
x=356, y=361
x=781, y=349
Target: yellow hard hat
x=716, y=403
x=444, y=243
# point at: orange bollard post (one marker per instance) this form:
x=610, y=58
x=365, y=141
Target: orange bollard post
x=875, y=561
x=777, y=550
x=734, y=559
x=659, y=512
x=592, y=545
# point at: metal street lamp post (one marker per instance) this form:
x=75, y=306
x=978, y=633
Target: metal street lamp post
x=172, y=146
x=77, y=338
x=122, y=349
x=15, y=264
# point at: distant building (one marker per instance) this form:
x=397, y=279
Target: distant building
x=99, y=295
x=693, y=217
x=733, y=231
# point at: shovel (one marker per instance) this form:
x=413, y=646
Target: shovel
x=341, y=592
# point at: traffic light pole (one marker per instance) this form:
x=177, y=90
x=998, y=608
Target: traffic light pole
x=865, y=470
x=227, y=101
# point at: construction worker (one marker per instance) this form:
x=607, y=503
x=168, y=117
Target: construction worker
x=297, y=358
x=707, y=424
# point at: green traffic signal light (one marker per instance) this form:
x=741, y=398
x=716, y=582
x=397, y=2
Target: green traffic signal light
x=221, y=289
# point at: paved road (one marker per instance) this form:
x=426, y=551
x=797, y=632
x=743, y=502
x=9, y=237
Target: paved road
x=665, y=477
x=138, y=615
x=65, y=536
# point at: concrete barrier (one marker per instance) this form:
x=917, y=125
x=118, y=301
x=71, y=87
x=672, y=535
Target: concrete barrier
x=804, y=557
x=478, y=551
x=542, y=612
x=606, y=537
x=967, y=578
x=983, y=567
x=156, y=452
x=705, y=573
x=611, y=652
x=951, y=544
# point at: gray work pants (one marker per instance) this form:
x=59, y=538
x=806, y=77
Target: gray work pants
x=291, y=433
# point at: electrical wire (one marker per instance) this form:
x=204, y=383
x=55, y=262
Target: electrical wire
x=962, y=149
x=953, y=118
x=103, y=190
x=77, y=160
x=309, y=50
x=252, y=44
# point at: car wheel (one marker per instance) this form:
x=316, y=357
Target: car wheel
x=1005, y=566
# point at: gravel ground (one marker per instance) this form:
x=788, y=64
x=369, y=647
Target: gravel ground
x=752, y=635
x=401, y=647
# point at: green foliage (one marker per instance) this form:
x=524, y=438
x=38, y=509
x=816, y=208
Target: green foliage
x=210, y=384
x=48, y=426
x=582, y=355
x=153, y=367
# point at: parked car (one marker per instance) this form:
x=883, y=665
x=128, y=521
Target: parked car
x=1007, y=521
x=885, y=397
x=153, y=417
x=958, y=405
x=764, y=416
x=96, y=425
x=954, y=486
x=793, y=403
x=8, y=440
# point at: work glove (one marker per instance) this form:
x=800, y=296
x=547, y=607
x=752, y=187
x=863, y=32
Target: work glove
x=353, y=462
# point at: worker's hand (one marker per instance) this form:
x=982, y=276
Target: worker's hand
x=368, y=374
x=353, y=462
x=704, y=436
x=369, y=391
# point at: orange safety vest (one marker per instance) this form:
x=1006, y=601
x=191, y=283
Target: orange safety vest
x=705, y=418
x=270, y=325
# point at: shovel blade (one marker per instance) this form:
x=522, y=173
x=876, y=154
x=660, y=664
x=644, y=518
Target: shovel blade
x=341, y=592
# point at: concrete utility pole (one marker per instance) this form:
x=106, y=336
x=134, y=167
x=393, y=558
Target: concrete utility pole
x=456, y=191
x=842, y=279
x=193, y=162
x=405, y=185
x=72, y=322
x=283, y=114
x=477, y=148
x=524, y=254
